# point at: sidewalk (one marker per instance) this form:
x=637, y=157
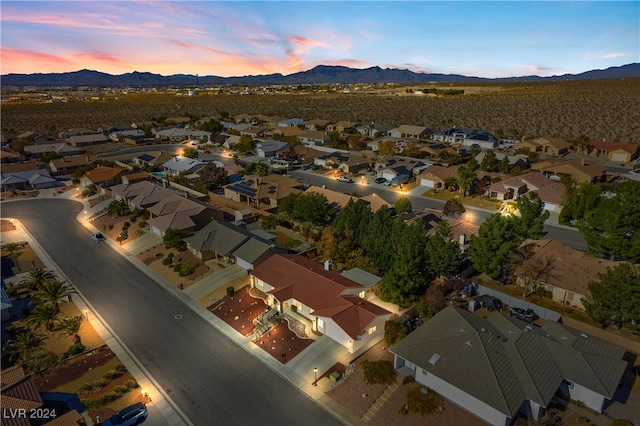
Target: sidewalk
x=158, y=398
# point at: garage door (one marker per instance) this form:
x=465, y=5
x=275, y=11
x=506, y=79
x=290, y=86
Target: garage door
x=427, y=182
x=618, y=156
x=388, y=176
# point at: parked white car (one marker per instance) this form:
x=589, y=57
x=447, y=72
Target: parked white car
x=345, y=179
x=98, y=237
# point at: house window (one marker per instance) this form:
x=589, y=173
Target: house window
x=570, y=296
x=320, y=324
x=362, y=294
x=372, y=329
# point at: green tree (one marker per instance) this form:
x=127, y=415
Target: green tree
x=117, y=208
x=504, y=166
x=44, y=314
x=244, y=145
x=488, y=250
x=613, y=227
x=489, y=162
x=580, y=199
x=453, y=207
x=356, y=216
x=615, y=297
x=174, y=238
x=37, y=277
x=387, y=147
x=52, y=293
x=313, y=207
x=71, y=326
x=212, y=176
x=466, y=178
x=403, y=205
x=24, y=345
x=213, y=126
x=15, y=251
x=394, y=332
x=473, y=164
x=443, y=254
x=531, y=216
x=190, y=153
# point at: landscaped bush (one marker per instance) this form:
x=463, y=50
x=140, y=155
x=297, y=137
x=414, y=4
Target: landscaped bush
x=380, y=371
x=120, y=390
x=621, y=422
x=75, y=349
x=167, y=260
x=294, y=308
x=394, y=332
x=111, y=374
x=230, y=291
x=422, y=403
x=187, y=268
x=120, y=368
x=408, y=379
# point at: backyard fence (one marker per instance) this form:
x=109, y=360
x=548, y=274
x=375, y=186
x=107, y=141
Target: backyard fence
x=514, y=302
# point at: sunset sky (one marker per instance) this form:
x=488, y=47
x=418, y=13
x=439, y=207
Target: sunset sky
x=486, y=39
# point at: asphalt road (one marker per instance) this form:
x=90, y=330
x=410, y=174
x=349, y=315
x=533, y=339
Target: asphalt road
x=210, y=378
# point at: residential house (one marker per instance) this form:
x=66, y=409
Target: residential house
x=78, y=131
x=34, y=137
x=569, y=271
x=129, y=133
x=255, y=131
x=84, y=140
x=153, y=158
x=374, y=130
x=615, y=151
x=231, y=141
x=179, y=134
x=342, y=127
x=62, y=149
x=317, y=124
x=407, y=131
x=461, y=227
x=7, y=155
x=434, y=150
x=264, y=192
x=178, y=120
x=467, y=137
x=519, y=160
x=135, y=177
x=285, y=131
x=578, y=169
x=103, y=176
x=306, y=154
x=375, y=202
x=141, y=195
x=511, y=188
x=269, y=149
x=179, y=164
x=18, y=392
x=335, y=305
x=177, y=212
x=335, y=199
x=30, y=179
x=231, y=244
x=400, y=144
x=435, y=177
x=498, y=367
x=545, y=145
x=342, y=161
x=71, y=163
x=313, y=137
x=407, y=167
x=20, y=167
x=291, y=122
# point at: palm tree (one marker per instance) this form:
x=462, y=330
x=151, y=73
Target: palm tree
x=44, y=314
x=52, y=292
x=37, y=277
x=117, y=208
x=14, y=252
x=24, y=345
x=71, y=327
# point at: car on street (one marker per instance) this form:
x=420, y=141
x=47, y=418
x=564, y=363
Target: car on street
x=132, y=415
x=98, y=237
x=206, y=151
x=345, y=179
x=380, y=180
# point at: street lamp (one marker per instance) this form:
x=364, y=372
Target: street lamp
x=86, y=313
x=315, y=375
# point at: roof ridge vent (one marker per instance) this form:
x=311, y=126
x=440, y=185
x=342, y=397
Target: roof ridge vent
x=434, y=358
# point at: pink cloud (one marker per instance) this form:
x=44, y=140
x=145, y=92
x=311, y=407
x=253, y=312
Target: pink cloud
x=351, y=63
x=14, y=60
x=98, y=56
x=614, y=55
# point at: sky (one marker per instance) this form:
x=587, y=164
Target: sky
x=238, y=38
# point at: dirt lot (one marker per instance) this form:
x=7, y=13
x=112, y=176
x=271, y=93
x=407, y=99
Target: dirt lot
x=282, y=343
x=239, y=310
x=111, y=227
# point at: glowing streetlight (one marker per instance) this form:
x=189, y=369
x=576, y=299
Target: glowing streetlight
x=315, y=375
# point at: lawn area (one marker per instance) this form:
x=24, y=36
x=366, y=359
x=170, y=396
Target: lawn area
x=286, y=240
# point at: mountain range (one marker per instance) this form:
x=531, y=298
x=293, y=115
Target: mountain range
x=321, y=74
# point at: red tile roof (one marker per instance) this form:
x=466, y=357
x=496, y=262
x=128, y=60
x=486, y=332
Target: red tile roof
x=631, y=148
x=302, y=279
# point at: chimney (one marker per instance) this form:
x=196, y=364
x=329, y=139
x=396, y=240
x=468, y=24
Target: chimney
x=175, y=159
x=327, y=265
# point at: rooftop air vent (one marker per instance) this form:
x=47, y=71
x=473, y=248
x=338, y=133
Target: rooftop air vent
x=434, y=359
x=585, y=335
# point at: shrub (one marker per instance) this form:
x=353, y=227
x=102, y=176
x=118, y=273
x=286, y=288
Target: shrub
x=75, y=349
x=126, y=225
x=133, y=219
x=422, y=403
x=120, y=368
x=111, y=374
x=100, y=383
x=230, y=291
x=294, y=308
x=176, y=268
x=393, y=332
x=380, y=371
x=187, y=268
x=109, y=397
x=408, y=379
x=120, y=390
x=110, y=227
x=167, y=261
x=170, y=255
x=85, y=388
x=130, y=384
x=621, y=422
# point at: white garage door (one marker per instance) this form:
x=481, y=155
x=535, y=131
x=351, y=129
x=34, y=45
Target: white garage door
x=618, y=156
x=427, y=182
x=388, y=176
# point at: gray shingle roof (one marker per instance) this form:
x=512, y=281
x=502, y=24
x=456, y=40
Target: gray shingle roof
x=502, y=362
